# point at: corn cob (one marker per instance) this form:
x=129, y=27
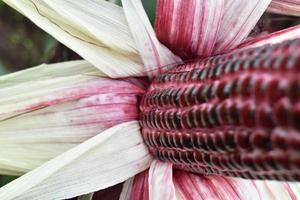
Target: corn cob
x=236, y=114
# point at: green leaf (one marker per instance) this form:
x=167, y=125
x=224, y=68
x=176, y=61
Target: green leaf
x=3, y=70
x=149, y=6
x=6, y=179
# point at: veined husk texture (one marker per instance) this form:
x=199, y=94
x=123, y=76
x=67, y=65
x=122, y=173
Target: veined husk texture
x=48, y=109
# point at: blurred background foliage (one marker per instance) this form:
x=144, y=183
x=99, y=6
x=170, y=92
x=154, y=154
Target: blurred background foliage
x=6, y=179
x=22, y=44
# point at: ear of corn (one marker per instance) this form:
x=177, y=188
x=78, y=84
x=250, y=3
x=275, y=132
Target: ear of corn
x=236, y=114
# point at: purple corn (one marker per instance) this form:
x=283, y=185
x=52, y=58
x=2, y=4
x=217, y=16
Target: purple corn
x=236, y=114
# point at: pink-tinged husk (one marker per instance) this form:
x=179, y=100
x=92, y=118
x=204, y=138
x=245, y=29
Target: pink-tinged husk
x=161, y=185
x=203, y=28
x=272, y=38
x=140, y=186
x=189, y=27
x=180, y=185
x=239, y=18
x=41, y=118
x=285, y=7
x=189, y=186
x=154, y=184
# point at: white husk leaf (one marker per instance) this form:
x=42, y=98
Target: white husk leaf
x=154, y=54
x=105, y=160
x=44, y=71
x=276, y=190
x=94, y=29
